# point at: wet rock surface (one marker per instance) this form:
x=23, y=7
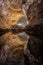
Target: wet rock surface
x=21, y=32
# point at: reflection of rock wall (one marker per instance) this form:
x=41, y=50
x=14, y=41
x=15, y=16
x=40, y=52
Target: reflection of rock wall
x=36, y=25
x=16, y=47
x=11, y=46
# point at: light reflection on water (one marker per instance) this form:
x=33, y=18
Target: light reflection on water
x=23, y=36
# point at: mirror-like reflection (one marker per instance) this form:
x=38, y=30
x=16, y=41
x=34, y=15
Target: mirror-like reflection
x=23, y=36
